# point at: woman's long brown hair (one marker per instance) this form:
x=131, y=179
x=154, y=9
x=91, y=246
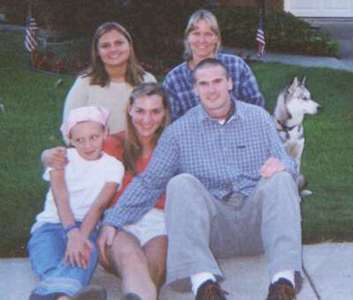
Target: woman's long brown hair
x=132, y=146
x=97, y=72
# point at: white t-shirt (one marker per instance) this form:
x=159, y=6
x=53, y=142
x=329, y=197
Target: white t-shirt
x=84, y=180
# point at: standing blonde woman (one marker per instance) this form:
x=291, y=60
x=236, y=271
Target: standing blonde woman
x=111, y=76
x=203, y=40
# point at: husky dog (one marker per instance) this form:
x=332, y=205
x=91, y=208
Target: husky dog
x=292, y=105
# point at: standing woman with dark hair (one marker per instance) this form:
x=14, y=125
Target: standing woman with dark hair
x=111, y=76
x=202, y=39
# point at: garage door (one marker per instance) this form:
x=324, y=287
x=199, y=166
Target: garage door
x=320, y=8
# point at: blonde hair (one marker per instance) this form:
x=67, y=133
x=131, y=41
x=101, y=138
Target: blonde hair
x=132, y=146
x=97, y=72
x=210, y=19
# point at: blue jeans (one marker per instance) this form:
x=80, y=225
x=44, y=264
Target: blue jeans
x=46, y=249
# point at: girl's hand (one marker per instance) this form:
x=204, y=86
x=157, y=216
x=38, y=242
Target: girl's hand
x=271, y=166
x=55, y=158
x=78, y=249
x=105, y=241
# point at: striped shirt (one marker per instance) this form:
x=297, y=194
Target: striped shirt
x=178, y=84
x=225, y=158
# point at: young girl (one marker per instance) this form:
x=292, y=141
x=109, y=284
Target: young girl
x=62, y=246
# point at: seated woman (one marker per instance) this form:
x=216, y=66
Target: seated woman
x=137, y=254
x=113, y=72
x=203, y=40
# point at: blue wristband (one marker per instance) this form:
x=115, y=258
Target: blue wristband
x=70, y=227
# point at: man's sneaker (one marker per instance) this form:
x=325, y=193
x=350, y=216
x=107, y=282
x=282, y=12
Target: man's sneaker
x=91, y=292
x=210, y=290
x=282, y=289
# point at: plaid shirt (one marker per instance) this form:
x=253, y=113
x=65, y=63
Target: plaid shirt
x=178, y=84
x=225, y=158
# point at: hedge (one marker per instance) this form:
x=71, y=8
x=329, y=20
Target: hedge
x=284, y=32
x=157, y=28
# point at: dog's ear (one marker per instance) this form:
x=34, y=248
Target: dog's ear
x=293, y=85
x=302, y=83
x=295, y=81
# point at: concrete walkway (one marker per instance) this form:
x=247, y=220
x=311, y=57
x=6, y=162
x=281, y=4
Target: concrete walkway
x=339, y=29
x=345, y=64
x=329, y=268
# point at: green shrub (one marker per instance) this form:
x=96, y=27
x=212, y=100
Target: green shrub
x=15, y=10
x=79, y=16
x=284, y=32
x=157, y=28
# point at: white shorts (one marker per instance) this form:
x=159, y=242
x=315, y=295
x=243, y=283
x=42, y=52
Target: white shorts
x=151, y=225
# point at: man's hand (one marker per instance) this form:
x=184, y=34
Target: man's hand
x=78, y=249
x=271, y=166
x=55, y=158
x=105, y=241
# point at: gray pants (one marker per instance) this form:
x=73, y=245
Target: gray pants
x=201, y=228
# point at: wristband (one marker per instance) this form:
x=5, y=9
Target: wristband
x=70, y=227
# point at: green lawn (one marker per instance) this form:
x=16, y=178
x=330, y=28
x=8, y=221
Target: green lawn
x=31, y=118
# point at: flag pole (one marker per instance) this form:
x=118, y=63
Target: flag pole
x=261, y=4
x=29, y=8
x=260, y=32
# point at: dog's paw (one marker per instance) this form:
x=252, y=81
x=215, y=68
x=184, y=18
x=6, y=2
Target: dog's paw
x=305, y=193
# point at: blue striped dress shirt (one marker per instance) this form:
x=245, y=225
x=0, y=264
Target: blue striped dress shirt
x=224, y=157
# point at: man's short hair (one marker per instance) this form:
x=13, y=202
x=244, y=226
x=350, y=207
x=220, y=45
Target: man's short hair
x=209, y=62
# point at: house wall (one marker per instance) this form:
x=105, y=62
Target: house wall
x=320, y=8
x=270, y=4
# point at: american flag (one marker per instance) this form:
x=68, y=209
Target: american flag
x=31, y=34
x=260, y=38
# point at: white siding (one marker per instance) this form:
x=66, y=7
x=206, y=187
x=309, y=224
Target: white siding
x=320, y=8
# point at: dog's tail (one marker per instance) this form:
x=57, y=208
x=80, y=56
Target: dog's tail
x=302, y=184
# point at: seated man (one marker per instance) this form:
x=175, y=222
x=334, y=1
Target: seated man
x=230, y=191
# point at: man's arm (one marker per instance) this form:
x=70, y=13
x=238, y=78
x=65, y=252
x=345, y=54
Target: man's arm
x=144, y=190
